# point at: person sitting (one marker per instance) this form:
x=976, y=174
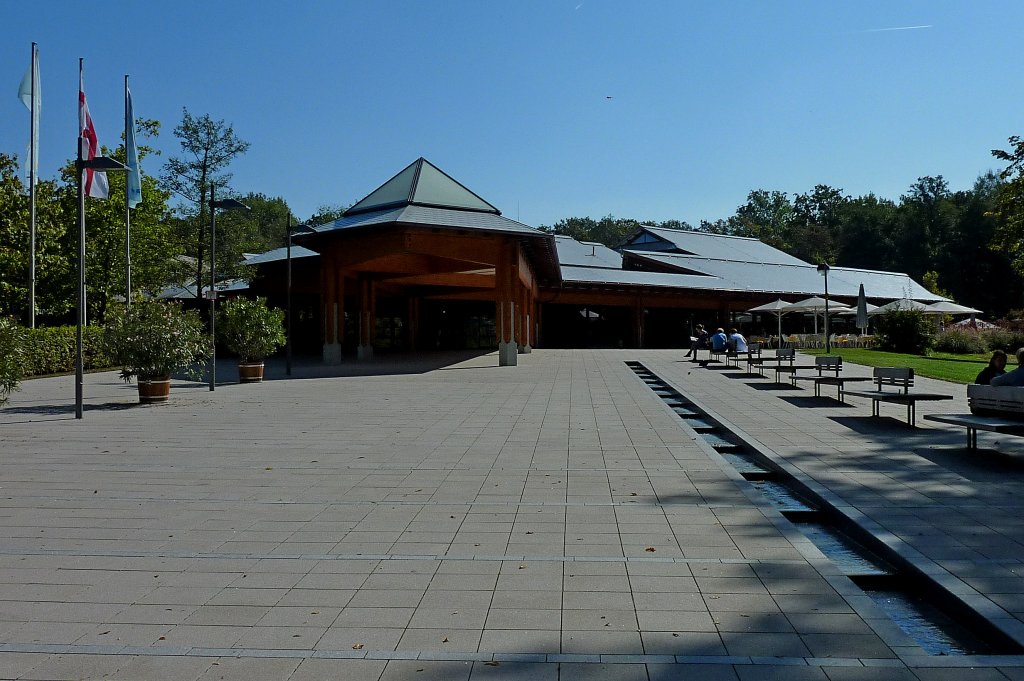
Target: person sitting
x=1015, y=377
x=737, y=343
x=996, y=367
x=698, y=342
x=719, y=341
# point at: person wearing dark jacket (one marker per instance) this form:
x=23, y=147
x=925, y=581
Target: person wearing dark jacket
x=996, y=367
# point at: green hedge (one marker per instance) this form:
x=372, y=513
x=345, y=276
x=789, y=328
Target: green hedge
x=51, y=350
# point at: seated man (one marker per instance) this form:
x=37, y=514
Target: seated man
x=719, y=341
x=737, y=343
x=1015, y=377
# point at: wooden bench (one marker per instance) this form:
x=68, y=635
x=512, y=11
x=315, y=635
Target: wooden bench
x=825, y=365
x=996, y=409
x=901, y=378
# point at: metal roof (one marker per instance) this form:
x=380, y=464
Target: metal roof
x=586, y=253
x=422, y=183
x=799, y=279
x=430, y=216
x=189, y=290
x=278, y=254
x=715, y=246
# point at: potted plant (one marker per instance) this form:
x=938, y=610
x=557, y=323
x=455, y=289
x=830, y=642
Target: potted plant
x=252, y=330
x=150, y=340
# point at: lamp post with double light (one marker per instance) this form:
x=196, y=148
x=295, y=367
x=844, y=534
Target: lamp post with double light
x=223, y=204
x=823, y=269
x=102, y=164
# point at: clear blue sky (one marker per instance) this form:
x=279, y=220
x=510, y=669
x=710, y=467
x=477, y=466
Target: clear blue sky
x=707, y=100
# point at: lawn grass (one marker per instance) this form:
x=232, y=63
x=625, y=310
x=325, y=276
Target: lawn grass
x=941, y=365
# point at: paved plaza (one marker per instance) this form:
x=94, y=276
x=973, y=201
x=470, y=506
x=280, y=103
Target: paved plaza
x=449, y=519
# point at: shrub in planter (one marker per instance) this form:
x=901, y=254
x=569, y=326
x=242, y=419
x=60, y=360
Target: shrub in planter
x=905, y=331
x=152, y=339
x=12, y=356
x=252, y=330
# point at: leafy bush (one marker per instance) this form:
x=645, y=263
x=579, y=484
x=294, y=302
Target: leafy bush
x=152, y=339
x=1008, y=339
x=906, y=331
x=12, y=351
x=962, y=341
x=51, y=350
x=251, y=329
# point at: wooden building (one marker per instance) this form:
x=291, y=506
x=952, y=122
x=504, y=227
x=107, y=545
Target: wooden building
x=423, y=263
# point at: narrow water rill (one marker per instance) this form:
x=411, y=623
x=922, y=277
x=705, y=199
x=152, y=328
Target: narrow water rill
x=935, y=619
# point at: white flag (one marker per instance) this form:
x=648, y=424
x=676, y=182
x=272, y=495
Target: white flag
x=31, y=95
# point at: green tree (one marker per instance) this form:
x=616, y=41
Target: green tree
x=153, y=245
x=816, y=228
x=256, y=230
x=866, y=237
x=326, y=213
x=208, y=148
x=768, y=216
x=53, y=261
x=609, y=230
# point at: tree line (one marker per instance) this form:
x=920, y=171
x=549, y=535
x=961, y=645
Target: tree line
x=170, y=229
x=964, y=244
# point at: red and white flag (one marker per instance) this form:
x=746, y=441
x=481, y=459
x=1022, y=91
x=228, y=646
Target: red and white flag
x=95, y=181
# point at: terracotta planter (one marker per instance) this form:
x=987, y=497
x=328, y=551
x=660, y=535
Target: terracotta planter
x=154, y=389
x=251, y=372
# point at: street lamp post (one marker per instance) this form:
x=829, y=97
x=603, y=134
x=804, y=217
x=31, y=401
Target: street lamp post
x=823, y=269
x=288, y=304
x=224, y=204
x=101, y=163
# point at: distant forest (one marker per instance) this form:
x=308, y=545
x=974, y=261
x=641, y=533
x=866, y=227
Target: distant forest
x=965, y=244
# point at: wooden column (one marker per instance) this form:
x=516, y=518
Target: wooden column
x=506, y=276
x=412, y=327
x=329, y=286
x=367, y=318
x=638, y=322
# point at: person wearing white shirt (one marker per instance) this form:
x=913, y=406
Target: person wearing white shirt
x=737, y=343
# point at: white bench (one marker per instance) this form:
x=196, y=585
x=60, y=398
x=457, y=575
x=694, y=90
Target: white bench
x=996, y=409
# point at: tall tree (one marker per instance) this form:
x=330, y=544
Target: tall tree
x=768, y=216
x=154, y=245
x=53, y=264
x=256, y=230
x=208, y=148
x=815, y=231
x=609, y=230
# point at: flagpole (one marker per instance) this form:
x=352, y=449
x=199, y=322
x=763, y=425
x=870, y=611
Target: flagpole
x=32, y=170
x=127, y=205
x=81, y=252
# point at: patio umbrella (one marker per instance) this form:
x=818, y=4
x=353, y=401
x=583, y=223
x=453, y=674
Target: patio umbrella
x=949, y=307
x=862, y=310
x=816, y=305
x=901, y=304
x=777, y=308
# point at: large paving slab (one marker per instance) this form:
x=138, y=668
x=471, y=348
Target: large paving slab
x=447, y=518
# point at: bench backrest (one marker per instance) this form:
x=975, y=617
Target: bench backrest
x=785, y=354
x=899, y=377
x=832, y=363
x=999, y=400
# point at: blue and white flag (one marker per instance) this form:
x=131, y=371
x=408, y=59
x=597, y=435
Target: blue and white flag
x=132, y=154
